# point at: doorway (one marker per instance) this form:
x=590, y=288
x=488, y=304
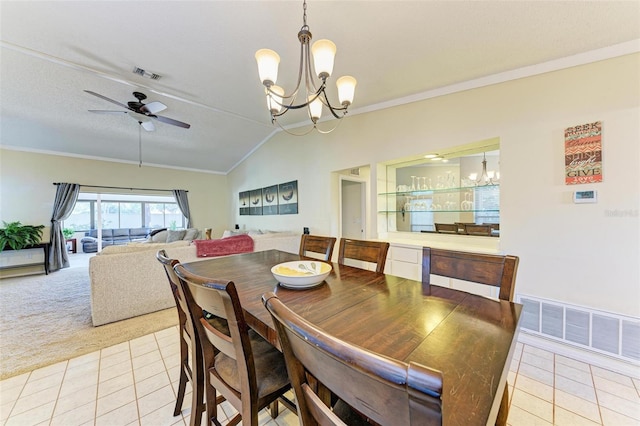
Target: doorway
x=352, y=208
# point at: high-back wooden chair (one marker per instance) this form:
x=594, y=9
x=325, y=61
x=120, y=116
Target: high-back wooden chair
x=387, y=391
x=489, y=269
x=493, y=270
x=446, y=228
x=367, y=251
x=188, y=337
x=243, y=367
x=317, y=244
x=473, y=229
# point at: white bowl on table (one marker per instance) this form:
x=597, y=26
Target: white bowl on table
x=301, y=273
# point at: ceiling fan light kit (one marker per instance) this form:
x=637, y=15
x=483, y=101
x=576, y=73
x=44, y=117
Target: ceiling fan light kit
x=315, y=96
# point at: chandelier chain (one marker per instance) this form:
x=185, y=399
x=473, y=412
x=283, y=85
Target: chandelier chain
x=304, y=13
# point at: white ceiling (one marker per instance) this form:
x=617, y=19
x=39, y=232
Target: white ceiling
x=204, y=50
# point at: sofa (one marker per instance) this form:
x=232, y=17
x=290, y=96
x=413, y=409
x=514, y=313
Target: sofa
x=112, y=237
x=128, y=281
x=128, y=235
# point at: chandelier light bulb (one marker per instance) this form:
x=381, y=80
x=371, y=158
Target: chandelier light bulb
x=268, y=62
x=324, y=52
x=473, y=176
x=274, y=99
x=346, y=89
x=315, y=108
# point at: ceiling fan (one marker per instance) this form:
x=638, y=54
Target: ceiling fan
x=140, y=112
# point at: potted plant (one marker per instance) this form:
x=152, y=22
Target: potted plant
x=18, y=236
x=68, y=233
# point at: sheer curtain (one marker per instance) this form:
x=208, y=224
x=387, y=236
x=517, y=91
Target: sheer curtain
x=183, y=203
x=66, y=196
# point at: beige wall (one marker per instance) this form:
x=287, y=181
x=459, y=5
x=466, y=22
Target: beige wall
x=577, y=254
x=587, y=255
x=27, y=191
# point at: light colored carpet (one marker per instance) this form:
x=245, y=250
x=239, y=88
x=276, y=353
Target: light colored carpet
x=47, y=318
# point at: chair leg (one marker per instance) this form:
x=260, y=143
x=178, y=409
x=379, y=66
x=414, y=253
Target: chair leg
x=211, y=405
x=182, y=386
x=503, y=412
x=274, y=409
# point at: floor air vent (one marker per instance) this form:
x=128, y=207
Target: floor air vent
x=603, y=332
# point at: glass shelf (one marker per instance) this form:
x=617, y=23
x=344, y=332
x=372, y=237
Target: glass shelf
x=438, y=191
x=437, y=211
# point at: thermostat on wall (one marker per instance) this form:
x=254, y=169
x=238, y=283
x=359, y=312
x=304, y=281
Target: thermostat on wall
x=585, y=197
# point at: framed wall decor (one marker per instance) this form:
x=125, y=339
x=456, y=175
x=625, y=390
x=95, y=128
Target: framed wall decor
x=255, y=202
x=244, y=203
x=288, y=198
x=583, y=153
x=270, y=200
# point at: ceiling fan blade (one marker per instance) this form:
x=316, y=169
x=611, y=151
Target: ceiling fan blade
x=148, y=126
x=107, y=99
x=171, y=121
x=102, y=111
x=153, y=107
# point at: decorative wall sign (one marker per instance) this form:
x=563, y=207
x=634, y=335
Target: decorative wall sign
x=255, y=202
x=583, y=153
x=270, y=200
x=244, y=203
x=288, y=198
x=274, y=199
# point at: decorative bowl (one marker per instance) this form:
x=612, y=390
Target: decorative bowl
x=301, y=273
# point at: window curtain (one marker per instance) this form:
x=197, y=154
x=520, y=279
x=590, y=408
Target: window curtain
x=183, y=203
x=66, y=196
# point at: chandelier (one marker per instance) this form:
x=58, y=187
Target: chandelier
x=313, y=95
x=485, y=178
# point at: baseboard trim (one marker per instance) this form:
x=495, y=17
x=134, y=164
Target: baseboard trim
x=599, y=360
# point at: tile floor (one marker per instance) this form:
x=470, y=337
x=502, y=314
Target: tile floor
x=135, y=383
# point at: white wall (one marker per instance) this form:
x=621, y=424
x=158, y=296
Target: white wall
x=27, y=191
x=579, y=254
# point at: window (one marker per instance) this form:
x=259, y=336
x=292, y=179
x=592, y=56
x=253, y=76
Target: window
x=82, y=218
x=487, y=204
x=125, y=211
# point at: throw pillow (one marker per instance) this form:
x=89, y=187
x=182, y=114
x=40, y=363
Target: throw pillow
x=160, y=237
x=175, y=235
x=155, y=231
x=191, y=234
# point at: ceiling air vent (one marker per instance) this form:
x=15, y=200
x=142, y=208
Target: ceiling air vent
x=150, y=75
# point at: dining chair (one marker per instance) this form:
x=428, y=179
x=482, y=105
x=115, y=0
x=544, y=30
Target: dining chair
x=446, y=228
x=312, y=244
x=243, y=367
x=367, y=251
x=488, y=269
x=473, y=229
x=368, y=385
x=188, y=337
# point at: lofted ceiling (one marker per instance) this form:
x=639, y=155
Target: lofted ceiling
x=51, y=51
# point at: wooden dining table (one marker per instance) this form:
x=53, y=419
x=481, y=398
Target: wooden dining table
x=469, y=338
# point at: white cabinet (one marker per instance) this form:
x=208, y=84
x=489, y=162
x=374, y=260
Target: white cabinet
x=405, y=261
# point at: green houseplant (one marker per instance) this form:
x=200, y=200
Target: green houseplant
x=18, y=236
x=68, y=233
